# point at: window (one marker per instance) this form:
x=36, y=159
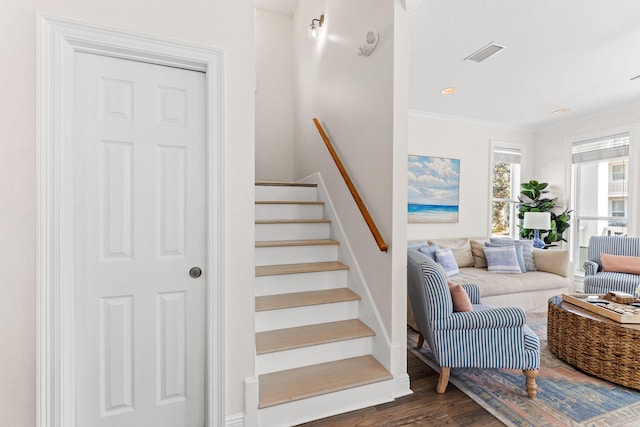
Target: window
x=618, y=172
x=505, y=185
x=600, y=190
x=617, y=208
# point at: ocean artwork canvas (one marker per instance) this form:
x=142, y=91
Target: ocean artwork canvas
x=434, y=187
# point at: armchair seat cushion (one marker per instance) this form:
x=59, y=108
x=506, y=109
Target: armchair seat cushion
x=606, y=281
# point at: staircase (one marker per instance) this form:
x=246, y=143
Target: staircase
x=313, y=354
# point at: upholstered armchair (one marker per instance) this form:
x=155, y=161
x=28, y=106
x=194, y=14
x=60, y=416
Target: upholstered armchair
x=597, y=281
x=487, y=337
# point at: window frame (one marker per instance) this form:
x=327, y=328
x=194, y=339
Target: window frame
x=632, y=174
x=494, y=146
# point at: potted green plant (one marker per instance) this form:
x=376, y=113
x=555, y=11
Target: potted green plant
x=531, y=200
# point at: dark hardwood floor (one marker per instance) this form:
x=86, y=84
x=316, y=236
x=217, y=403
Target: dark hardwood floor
x=423, y=408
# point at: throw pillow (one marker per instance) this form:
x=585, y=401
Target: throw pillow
x=527, y=254
x=552, y=261
x=417, y=245
x=461, y=249
x=460, y=298
x=620, y=263
x=429, y=251
x=477, y=250
x=502, y=259
x=445, y=258
x=527, y=250
x=519, y=255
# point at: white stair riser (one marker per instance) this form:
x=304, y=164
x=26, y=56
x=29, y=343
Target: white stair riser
x=288, y=211
x=311, y=355
x=278, y=192
x=326, y=405
x=296, y=254
x=288, y=283
x=293, y=231
x=307, y=315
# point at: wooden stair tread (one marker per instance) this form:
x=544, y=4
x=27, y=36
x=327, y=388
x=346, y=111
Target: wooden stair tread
x=285, y=184
x=288, y=202
x=307, y=267
x=305, y=336
x=309, y=381
x=282, y=243
x=300, y=299
x=292, y=221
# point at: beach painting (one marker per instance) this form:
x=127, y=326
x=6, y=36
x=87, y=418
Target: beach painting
x=434, y=188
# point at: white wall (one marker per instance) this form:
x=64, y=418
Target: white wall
x=274, y=97
x=353, y=97
x=227, y=24
x=470, y=143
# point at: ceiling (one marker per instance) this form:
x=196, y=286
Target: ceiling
x=285, y=7
x=561, y=54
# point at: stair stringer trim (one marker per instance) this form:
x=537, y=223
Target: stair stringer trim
x=388, y=354
x=368, y=312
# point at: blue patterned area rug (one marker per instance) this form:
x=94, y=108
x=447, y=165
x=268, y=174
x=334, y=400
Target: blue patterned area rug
x=566, y=396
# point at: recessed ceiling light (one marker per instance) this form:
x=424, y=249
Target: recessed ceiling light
x=562, y=111
x=448, y=90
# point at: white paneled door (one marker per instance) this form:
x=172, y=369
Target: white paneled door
x=140, y=237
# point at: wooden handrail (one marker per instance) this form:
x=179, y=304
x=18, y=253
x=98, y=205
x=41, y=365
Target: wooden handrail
x=352, y=188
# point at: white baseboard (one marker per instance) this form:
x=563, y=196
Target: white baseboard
x=251, y=401
x=402, y=386
x=314, y=408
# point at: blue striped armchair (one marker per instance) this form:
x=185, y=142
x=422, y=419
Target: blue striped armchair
x=487, y=337
x=600, y=282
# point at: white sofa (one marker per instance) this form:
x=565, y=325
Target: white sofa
x=530, y=291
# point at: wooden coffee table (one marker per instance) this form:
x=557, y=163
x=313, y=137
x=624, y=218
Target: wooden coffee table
x=594, y=344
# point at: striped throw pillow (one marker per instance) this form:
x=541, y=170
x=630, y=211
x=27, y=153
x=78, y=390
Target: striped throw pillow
x=445, y=258
x=502, y=260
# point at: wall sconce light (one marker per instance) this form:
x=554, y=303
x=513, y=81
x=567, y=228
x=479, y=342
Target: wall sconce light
x=314, y=28
x=368, y=45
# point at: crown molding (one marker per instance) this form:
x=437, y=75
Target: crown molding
x=467, y=121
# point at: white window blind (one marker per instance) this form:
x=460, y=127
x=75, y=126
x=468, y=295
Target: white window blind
x=506, y=155
x=611, y=147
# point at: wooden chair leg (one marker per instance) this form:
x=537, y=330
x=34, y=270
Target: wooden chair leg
x=420, y=342
x=530, y=382
x=444, y=379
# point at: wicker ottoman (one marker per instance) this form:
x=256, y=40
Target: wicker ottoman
x=594, y=344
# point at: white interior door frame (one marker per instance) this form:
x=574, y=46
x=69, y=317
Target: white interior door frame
x=58, y=41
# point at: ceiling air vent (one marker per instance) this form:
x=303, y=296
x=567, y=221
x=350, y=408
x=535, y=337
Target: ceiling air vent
x=484, y=53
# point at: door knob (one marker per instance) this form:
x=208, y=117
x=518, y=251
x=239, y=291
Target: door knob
x=195, y=272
